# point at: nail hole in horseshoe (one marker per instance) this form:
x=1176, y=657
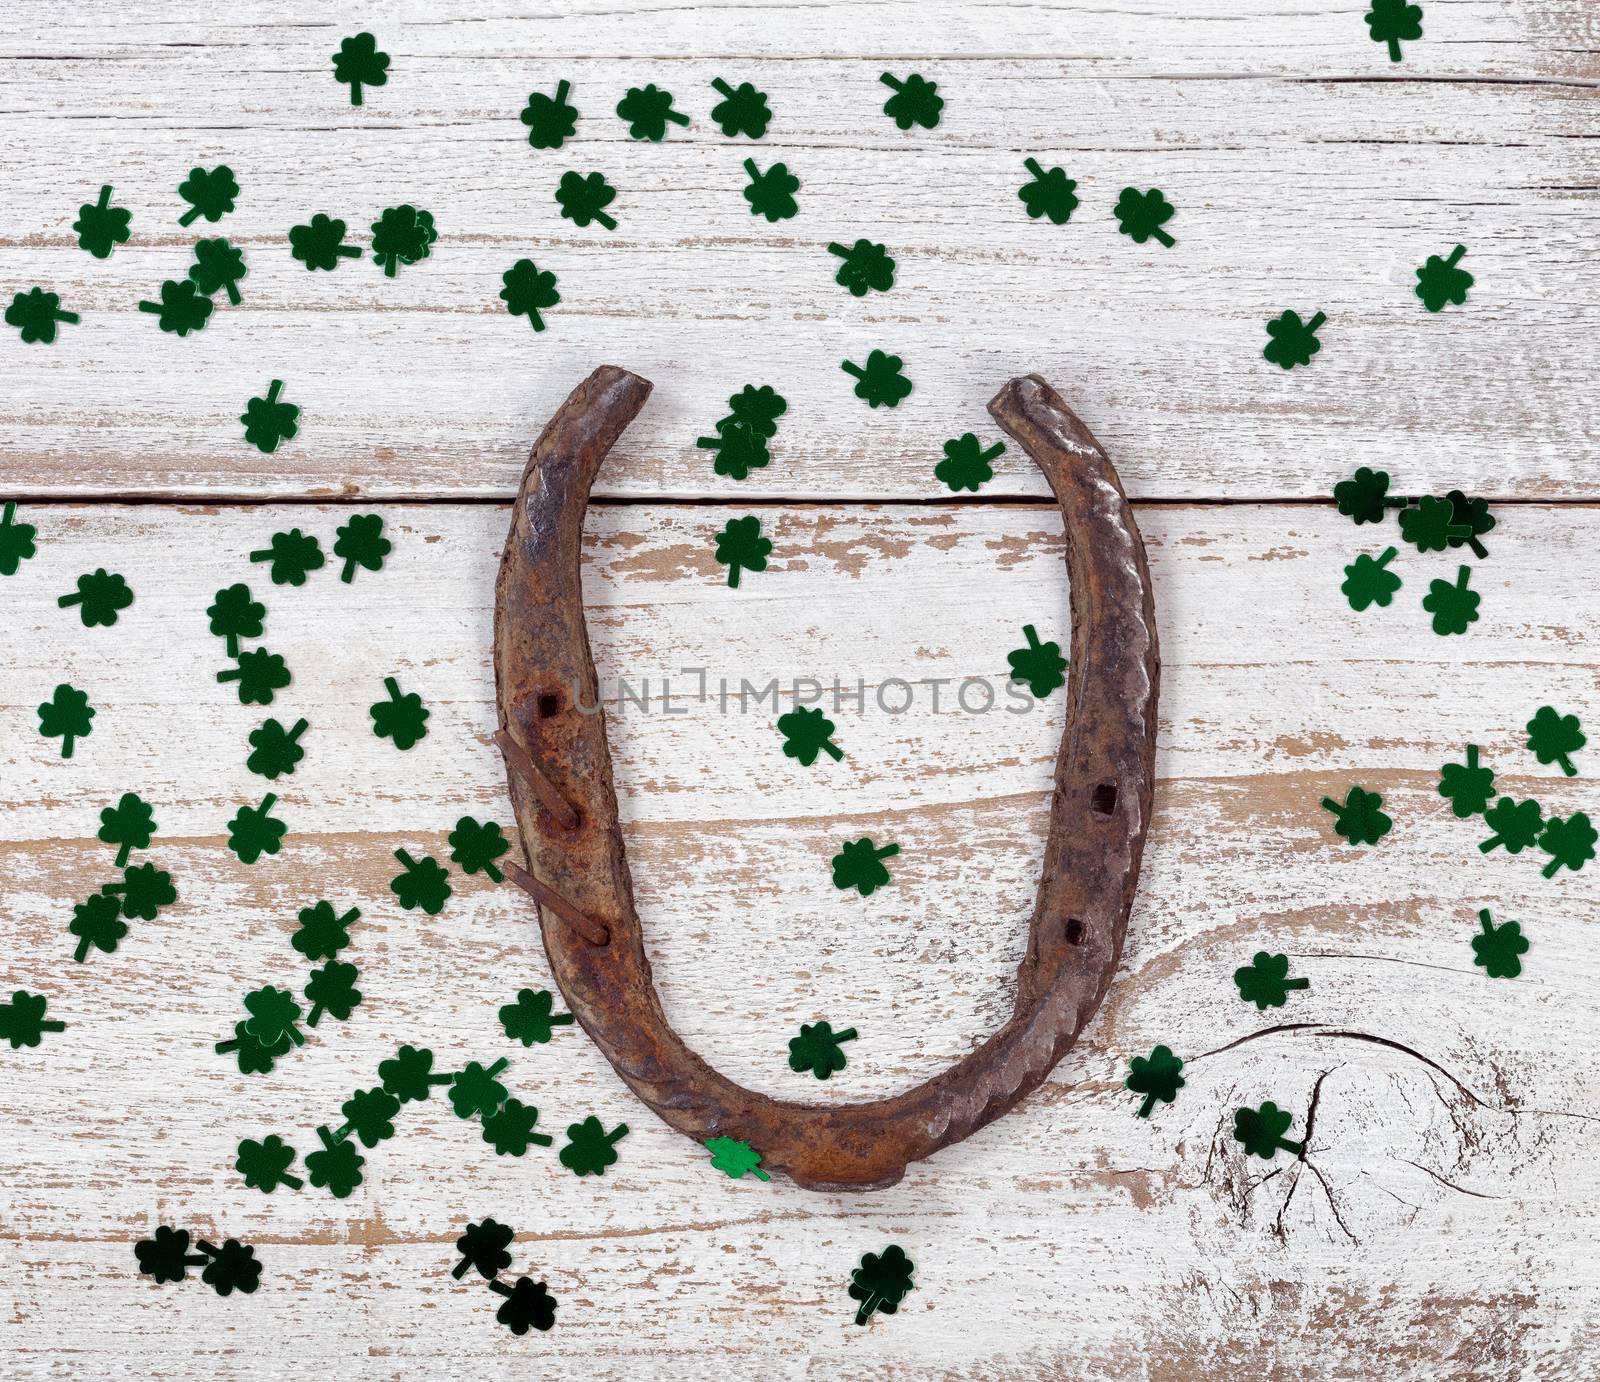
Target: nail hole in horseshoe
x=549, y=703
x=1076, y=931
x=1103, y=800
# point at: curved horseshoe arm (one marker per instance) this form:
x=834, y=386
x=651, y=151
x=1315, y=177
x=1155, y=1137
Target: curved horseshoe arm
x=1101, y=809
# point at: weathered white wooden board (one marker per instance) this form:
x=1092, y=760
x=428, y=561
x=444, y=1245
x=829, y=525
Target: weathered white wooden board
x=1440, y=1225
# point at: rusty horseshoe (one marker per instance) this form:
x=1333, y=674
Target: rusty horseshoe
x=559, y=769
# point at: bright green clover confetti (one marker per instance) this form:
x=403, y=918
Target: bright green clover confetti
x=265, y=1164
x=274, y=1016
x=65, y=716
x=183, y=307
x=858, y=865
x=758, y=408
x=739, y=449
x=741, y=547
x=735, y=1159
x=235, y=613
x=259, y=674
x=1554, y=737
x=268, y=422
x=1265, y=981
x=101, y=226
x=583, y=199
x=528, y=1305
x=1439, y=281
x=1474, y=515
x=1516, y=825
x=1453, y=606
x=402, y=235
x=1368, y=581
x=806, y=733
x=361, y=542
x=369, y=1114
x=1357, y=819
x=1364, y=497
x=881, y=1282
x=209, y=194
x=483, y=1248
x=1261, y=1131
x=166, y=1256
x=1468, y=788
x=1498, y=949
x=771, y=194
x=217, y=265
x=916, y=101
x=818, y=1049
x=1156, y=1077
x=322, y=932
x=359, y=63
x=551, y=121
x=1569, y=843
x=590, y=1148
x=425, y=883
x=1390, y=21
x=144, y=890
x=865, y=266
x=408, y=1074
x=1051, y=193
x=1039, y=664
x=319, y=244
x=880, y=381
x=1291, y=341
x=332, y=989
x=1431, y=524
x=530, y=1019
x=22, y=1020
x=474, y=1090
x=16, y=541
x=254, y=831
x=35, y=314
x=292, y=556
x=253, y=1057
x=337, y=1166
x=475, y=845
x=966, y=462
x=97, y=921
x=274, y=750
x=1142, y=214
x=509, y=1130
x=742, y=110
x=402, y=719
x=100, y=596
x=528, y=291
x=647, y=110
x=129, y=825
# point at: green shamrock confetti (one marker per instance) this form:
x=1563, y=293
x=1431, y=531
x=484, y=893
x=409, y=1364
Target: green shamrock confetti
x=528, y=1305
x=402, y=719
x=408, y=1074
x=859, y=865
x=36, y=314
x=583, y=199
x=530, y=1019
x=1554, y=737
x=16, y=541
x=551, y=121
x=881, y=1282
x=966, y=463
x=1051, y=193
x=166, y=1256
x=474, y=1091
x=217, y=265
x=1291, y=341
x=1474, y=515
x=100, y=596
x=1357, y=819
x=528, y=292
x=865, y=266
x=1039, y=664
x=22, y=1020
x=253, y=1057
x=402, y=235
x=1141, y=215
x=359, y=64
x=740, y=546
x=735, y=1159
x=806, y=733
x=259, y=673
x=1516, y=825
x=647, y=110
x=336, y=1167
x=319, y=244
x=1569, y=843
x=235, y=613
x=742, y=110
x=101, y=226
x=916, y=101
x=1430, y=526
x=65, y=716
x=183, y=307
x=268, y=422
x=265, y=1164
x=332, y=989
x=509, y=1130
x=369, y=1114
x=483, y=1249
x=1156, y=1076
x=233, y=1267
x=425, y=884
x=209, y=194
x=361, y=542
x=1498, y=949
x=274, y=750
x=739, y=449
x=1265, y=981
x=274, y=1016
x=881, y=382
x=590, y=1148
x=1439, y=281
x=1364, y=498
x=97, y=922
x=254, y=831
x=293, y=555
x=475, y=845
x=144, y=890
x=322, y=932
x=1453, y=606
x=1390, y=21
x=1368, y=581
x=129, y=825
x=771, y=194
x=1261, y=1131
x=1468, y=788
x=819, y=1049
x=758, y=408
